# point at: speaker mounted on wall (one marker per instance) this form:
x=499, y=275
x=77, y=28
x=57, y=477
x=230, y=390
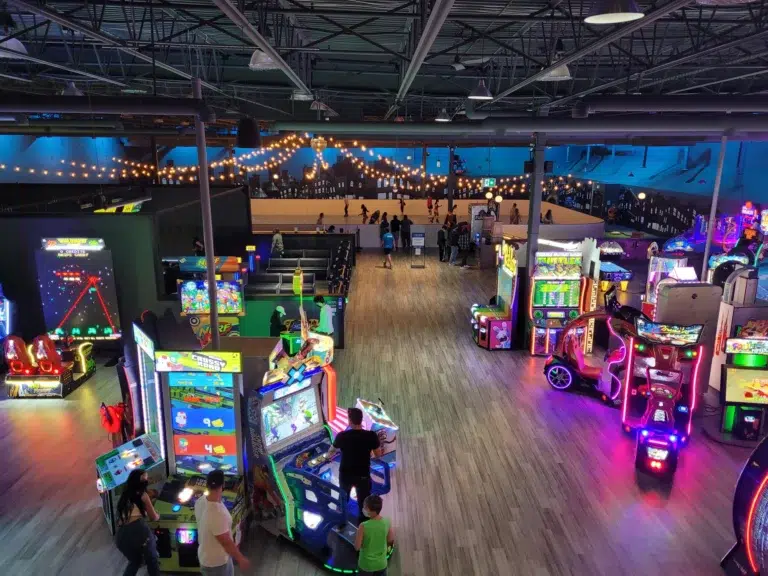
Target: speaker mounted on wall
x=248, y=135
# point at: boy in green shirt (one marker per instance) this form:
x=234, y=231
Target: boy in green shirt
x=374, y=537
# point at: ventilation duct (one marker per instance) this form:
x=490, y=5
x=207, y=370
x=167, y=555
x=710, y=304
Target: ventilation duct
x=724, y=2
x=682, y=104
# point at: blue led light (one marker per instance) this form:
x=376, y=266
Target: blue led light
x=176, y=507
x=644, y=432
x=672, y=438
x=683, y=409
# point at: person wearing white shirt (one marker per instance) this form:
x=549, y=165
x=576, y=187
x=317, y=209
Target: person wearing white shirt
x=214, y=527
x=325, y=325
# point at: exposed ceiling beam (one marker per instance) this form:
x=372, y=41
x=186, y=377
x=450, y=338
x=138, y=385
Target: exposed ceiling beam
x=431, y=29
x=239, y=19
x=82, y=73
x=594, y=46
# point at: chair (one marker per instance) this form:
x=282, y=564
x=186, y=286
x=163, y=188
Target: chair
x=293, y=253
x=315, y=254
x=47, y=357
x=279, y=265
x=584, y=369
x=263, y=283
x=17, y=357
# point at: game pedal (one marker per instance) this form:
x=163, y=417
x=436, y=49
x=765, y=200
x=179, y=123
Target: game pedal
x=348, y=532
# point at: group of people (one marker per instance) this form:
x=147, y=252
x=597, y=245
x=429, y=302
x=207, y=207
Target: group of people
x=391, y=232
x=217, y=550
x=454, y=241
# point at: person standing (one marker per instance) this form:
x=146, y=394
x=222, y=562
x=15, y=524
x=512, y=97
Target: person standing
x=383, y=225
x=134, y=537
x=276, y=325
x=346, y=206
x=464, y=243
x=395, y=229
x=388, y=244
x=442, y=238
x=363, y=212
x=320, y=220
x=453, y=239
x=548, y=218
x=198, y=246
x=429, y=207
x=450, y=218
x=405, y=231
x=374, y=537
x=436, y=212
x=214, y=532
x=325, y=322
x=402, y=204
x=356, y=445
x=277, y=244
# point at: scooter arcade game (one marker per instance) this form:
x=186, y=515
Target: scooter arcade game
x=289, y=437
x=492, y=326
x=660, y=392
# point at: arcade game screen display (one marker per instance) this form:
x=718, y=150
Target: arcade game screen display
x=669, y=333
x=556, y=293
x=194, y=297
x=77, y=289
x=115, y=466
x=203, y=422
x=289, y=415
x=745, y=386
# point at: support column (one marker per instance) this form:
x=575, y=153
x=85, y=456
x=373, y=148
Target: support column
x=451, y=175
x=424, y=181
x=205, y=207
x=534, y=204
x=713, y=209
x=155, y=160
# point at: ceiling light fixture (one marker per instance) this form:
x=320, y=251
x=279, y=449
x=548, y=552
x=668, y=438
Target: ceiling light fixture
x=557, y=74
x=606, y=12
x=480, y=92
x=71, y=90
x=443, y=116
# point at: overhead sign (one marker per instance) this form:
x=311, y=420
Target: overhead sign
x=489, y=182
x=176, y=361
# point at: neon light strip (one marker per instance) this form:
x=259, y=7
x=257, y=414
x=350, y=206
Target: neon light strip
x=160, y=426
x=331, y=389
x=530, y=314
x=623, y=357
x=288, y=505
x=750, y=518
x=582, y=292
x=143, y=383
x=693, y=389
x=629, y=372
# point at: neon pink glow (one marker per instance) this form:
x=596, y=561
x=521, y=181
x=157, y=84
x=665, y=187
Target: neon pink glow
x=629, y=371
x=530, y=315
x=694, y=388
x=623, y=357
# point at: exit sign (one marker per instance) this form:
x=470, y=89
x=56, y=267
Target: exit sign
x=489, y=182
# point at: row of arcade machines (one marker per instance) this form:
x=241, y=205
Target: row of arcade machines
x=270, y=438
x=190, y=406
x=563, y=286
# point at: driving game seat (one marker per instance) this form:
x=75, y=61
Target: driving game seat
x=586, y=371
x=16, y=356
x=660, y=413
x=47, y=357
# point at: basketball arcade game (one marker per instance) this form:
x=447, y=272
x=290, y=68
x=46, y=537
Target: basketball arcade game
x=660, y=392
x=290, y=436
x=493, y=325
x=201, y=400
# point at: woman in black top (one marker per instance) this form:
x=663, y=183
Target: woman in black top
x=394, y=227
x=134, y=538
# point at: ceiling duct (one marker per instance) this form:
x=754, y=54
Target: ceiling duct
x=655, y=104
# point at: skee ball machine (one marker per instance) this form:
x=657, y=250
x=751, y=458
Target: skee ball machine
x=201, y=401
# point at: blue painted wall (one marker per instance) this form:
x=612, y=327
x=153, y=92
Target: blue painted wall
x=681, y=169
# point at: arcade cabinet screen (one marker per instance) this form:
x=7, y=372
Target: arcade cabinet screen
x=77, y=289
x=203, y=421
x=746, y=346
x=289, y=415
x=745, y=386
x=669, y=333
x=194, y=297
x=556, y=293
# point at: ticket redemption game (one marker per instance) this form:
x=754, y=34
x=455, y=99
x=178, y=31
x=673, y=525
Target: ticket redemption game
x=492, y=326
x=744, y=382
x=201, y=401
x=659, y=267
x=290, y=436
x=660, y=392
x=558, y=294
x=749, y=555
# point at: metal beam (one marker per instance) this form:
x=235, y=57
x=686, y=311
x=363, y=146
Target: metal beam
x=240, y=20
x=594, y=46
x=435, y=23
x=26, y=57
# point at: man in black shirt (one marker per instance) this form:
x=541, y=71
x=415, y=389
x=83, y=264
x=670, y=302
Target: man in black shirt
x=356, y=445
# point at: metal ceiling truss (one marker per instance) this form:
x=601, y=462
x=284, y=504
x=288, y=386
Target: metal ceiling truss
x=408, y=56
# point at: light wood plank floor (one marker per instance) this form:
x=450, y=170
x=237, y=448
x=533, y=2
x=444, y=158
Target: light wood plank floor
x=497, y=473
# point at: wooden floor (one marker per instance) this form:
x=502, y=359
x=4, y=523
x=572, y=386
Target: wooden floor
x=497, y=473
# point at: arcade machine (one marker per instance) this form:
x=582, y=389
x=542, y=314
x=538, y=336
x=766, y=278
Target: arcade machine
x=659, y=267
x=557, y=294
x=610, y=250
x=660, y=392
x=717, y=260
x=6, y=316
x=181, y=268
x=77, y=289
x=492, y=326
x=196, y=306
x=201, y=401
x=41, y=371
x=749, y=555
x=376, y=419
x=744, y=388
x=611, y=274
x=290, y=418
x=113, y=468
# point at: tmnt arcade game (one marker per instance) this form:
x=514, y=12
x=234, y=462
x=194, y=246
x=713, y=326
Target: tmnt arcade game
x=289, y=439
x=201, y=400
